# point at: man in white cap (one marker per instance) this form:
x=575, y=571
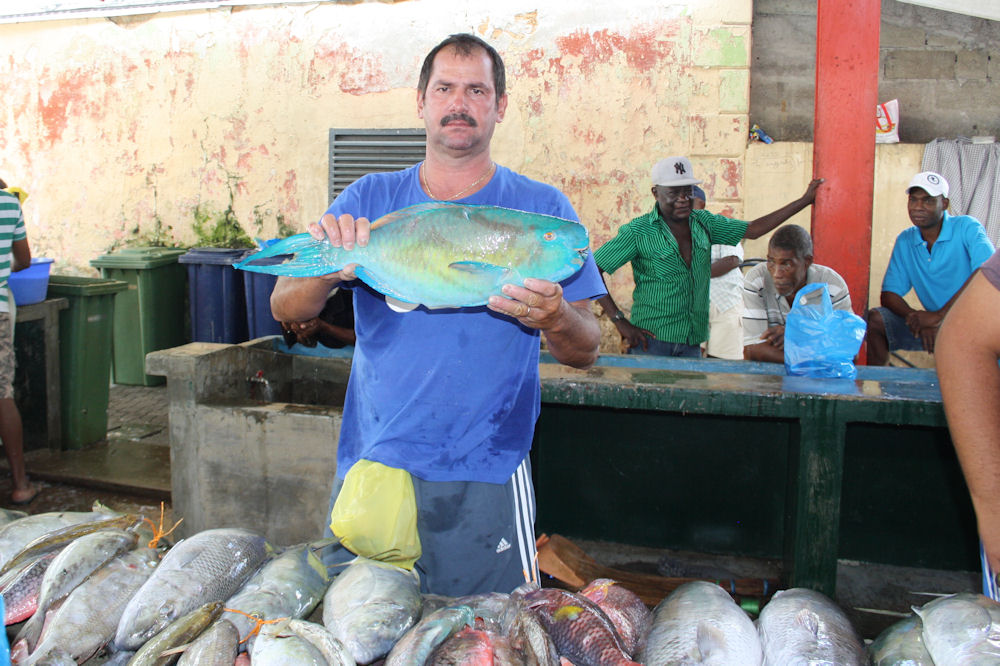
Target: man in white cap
x=670, y=252
x=935, y=258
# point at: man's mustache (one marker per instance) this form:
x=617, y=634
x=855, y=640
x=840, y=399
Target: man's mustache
x=459, y=116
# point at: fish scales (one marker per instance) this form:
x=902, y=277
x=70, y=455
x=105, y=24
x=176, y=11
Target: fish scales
x=623, y=607
x=291, y=585
x=798, y=625
x=699, y=623
x=179, y=632
x=443, y=255
x=217, y=646
x=961, y=630
x=580, y=630
x=475, y=647
x=16, y=535
x=86, y=620
x=61, y=537
x=20, y=593
x=209, y=566
x=70, y=567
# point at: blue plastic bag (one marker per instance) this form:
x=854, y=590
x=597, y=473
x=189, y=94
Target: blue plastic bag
x=821, y=341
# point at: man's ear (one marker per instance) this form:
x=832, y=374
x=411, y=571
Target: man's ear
x=946, y=202
x=501, y=107
x=809, y=260
x=420, y=105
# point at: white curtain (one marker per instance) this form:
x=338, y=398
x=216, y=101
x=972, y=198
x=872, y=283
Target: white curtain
x=973, y=174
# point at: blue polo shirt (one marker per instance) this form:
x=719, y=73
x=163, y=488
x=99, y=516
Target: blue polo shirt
x=936, y=275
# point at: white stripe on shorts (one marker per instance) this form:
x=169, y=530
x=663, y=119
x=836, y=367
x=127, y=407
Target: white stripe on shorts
x=524, y=517
x=989, y=576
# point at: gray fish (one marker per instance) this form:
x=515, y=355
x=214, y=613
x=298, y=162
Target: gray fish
x=801, y=626
x=277, y=645
x=217, y=646
x=159, y=650
x=291, y=585
x=699, y=623
x=418, y=643
x=961, y=629
x=335, y=652
x=61, y=537
x=58, y=658
x=209, y=566
x=8, y=516
x=16, y=535
x=369, y=607
x=900, y=645
x=70, y=567
x=86, y=620
x=529, y=636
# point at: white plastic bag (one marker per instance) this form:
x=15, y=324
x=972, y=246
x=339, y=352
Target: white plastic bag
x=887, y=122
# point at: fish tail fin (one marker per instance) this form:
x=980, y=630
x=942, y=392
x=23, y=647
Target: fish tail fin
x=30, y=631
x=312, y=258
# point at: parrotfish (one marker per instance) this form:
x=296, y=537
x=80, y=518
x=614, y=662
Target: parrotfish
x=442, y=255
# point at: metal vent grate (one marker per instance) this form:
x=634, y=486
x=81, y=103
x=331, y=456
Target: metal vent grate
x=356, y=152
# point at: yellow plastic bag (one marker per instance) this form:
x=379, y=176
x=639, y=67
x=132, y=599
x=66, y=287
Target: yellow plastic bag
x=375, y=514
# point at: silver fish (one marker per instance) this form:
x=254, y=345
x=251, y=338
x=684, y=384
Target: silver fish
x=900, y=645
x=217, y=646
x=528, y=635
x=370, y=605
x=801, y=626
x=86, y=620
x=63, y=536
x=962, y=629
x=209, y=566
x=16, y=535
x=277, y=645
x=8, y=516
x=335, y=652
x=70, y=567
x=291, y=585
x=418, y=643
x=160, y=649
x=699, y=623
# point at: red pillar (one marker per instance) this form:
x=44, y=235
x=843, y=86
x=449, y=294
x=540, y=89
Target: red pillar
x=847, y=33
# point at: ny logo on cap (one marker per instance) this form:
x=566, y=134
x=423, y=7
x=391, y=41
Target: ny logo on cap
x=679, y=167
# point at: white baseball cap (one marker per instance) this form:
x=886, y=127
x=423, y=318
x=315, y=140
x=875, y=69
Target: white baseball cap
x=674, y=171
x=930, y=182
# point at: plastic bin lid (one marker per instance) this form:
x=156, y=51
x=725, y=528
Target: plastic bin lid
x=213, y=255
x=138, y=257
x=73, y=285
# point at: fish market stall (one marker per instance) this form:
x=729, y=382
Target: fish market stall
x=699, y=455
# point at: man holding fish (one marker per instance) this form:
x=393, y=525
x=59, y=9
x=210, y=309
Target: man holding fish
x=451, y=394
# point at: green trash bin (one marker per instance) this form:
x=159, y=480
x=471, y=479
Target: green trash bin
x=150, y=314
x=85, y=355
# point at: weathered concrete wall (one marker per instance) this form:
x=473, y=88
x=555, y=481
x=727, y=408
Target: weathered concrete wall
x=943, y=67
x=117, y=126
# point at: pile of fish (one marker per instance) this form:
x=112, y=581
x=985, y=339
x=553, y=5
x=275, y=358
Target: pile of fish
x=87, y=585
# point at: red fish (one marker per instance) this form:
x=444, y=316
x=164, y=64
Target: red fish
x=579, y=628
x=475, y=647
x=20, y=589
x=623, y=607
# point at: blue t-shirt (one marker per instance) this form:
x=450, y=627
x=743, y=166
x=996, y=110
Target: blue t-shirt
x=937, y=275
x=450, y=394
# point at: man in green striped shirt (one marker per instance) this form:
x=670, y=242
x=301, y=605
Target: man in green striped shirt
x=670, y=252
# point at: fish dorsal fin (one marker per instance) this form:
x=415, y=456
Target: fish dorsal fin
x=409, y=212
x=710, y=640
x=397, y=305
x=478, y=268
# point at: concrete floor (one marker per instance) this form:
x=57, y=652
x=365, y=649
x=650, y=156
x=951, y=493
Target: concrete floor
x=131, y=472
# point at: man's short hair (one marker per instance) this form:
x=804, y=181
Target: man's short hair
x=792, y=237
x=465, y=44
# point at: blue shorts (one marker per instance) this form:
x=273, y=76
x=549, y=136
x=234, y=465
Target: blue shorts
x=660, y=348
x=898, y=333
x=475, y=536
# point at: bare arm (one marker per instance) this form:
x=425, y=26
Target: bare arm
x=571, y=329
x=21, y=255
x=301, y=299
x=768, y=222
x=631, y=334
x=968, y=347
x=771, y=350
x=722, y=266
x=923, y=323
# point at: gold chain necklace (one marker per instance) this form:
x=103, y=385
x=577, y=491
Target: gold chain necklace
x=427, y=188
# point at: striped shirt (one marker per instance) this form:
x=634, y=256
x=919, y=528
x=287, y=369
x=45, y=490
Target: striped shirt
x=670, y=299
x=11, y=229
x=756, y=313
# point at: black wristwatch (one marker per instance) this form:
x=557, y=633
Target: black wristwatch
x=618, y=316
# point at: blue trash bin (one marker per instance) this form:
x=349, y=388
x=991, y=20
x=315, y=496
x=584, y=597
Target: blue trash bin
x=258, y=288
x=215, y=295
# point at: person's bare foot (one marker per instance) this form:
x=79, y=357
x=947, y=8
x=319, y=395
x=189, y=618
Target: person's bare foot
x=21, y=496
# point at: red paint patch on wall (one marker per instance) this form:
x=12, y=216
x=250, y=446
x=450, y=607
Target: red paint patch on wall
x=732, y=176
x=644, y=49
x=356, y=73
x=68, y=97
x=290, y=190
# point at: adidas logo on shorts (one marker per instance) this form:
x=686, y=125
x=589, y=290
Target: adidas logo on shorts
x=503, y=545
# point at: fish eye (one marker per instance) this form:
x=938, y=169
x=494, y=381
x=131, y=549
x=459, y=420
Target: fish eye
x=549, y=235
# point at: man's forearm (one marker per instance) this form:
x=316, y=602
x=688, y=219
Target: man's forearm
x=576, y=339
x=764, y=351
x=300, y=299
